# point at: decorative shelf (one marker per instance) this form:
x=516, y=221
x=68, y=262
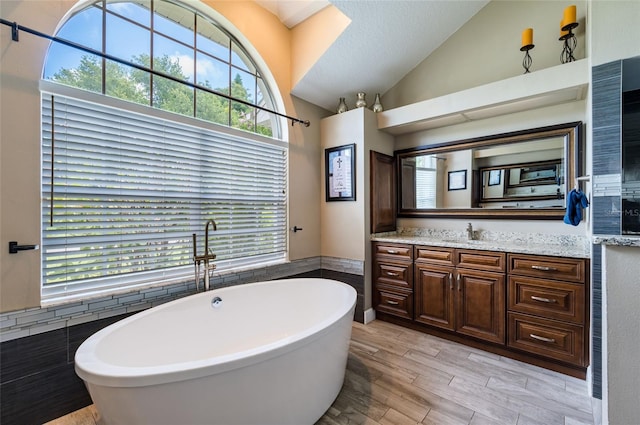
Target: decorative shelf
x=551, y=86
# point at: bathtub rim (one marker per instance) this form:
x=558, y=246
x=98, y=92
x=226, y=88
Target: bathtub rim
x=96, y=372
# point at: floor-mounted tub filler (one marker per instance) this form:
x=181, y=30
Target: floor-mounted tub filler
x=262, y=353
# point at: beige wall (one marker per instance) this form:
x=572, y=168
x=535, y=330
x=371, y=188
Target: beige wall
x=621, y=333
x=345, y=225
x=487, y=49
x=457, y=161
x=342, y=222
x=304, y=183
x=615, y=30
x=21, y=68
x=20, y=71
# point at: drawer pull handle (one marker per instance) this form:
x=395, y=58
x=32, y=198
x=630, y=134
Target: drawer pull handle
x=392, y=302
x=451, y=281
x=393, y=274
x=543, y=300
x=541, y=338
x=544, y=268
x=391, y=251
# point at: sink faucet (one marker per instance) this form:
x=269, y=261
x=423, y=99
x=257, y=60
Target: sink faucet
x=205, y=258
x=470, y=234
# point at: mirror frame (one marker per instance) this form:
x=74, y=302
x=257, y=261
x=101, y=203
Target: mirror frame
x=572, y=133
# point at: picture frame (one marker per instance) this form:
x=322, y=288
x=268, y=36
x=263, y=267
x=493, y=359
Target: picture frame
x=340, y=173
x=494, y=178
x=457, y=180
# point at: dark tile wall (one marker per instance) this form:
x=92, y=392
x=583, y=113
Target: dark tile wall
x=596, y=322
x=37, y=377
x=355, y=280
x=607, y=155
x=606, y=215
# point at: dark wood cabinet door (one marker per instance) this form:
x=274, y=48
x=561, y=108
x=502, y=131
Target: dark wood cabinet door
x=383, y=193
x=434, y=289
x=480, y=305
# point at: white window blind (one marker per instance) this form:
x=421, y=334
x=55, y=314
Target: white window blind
x=129, y=190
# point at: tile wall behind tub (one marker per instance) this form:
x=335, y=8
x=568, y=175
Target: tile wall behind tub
x=37, y=377
x=606, y=202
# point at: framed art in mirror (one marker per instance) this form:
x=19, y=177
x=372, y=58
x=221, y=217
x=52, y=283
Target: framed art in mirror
x=457, y=180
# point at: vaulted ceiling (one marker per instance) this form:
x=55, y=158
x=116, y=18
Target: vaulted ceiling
x=384, y=41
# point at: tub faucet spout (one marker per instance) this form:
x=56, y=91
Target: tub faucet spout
x=206, y=258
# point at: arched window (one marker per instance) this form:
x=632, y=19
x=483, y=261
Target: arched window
x=135, y=163
x=170, y=38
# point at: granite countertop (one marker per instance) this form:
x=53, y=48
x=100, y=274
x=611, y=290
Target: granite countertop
x=537, y=244
x=617, y=240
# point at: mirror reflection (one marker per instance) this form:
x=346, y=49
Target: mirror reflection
x=518, y=171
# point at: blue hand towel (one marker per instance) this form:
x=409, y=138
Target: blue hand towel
x=576, y=202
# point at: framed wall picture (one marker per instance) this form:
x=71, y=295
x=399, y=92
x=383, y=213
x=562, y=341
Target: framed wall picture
x=340, y=173
x=457, y=180
x=494, y=177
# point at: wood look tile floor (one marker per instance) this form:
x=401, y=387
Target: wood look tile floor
x=398, y=376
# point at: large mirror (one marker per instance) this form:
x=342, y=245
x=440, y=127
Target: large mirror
x=524, y=174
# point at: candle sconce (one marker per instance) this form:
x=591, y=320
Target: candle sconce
x=527, y=44
x=568, y=38
x=527, y=61
x=569, y=42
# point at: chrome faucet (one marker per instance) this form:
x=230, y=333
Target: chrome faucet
x=470, y=233
x=205, y=258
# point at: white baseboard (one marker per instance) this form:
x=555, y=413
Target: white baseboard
x=369, y=315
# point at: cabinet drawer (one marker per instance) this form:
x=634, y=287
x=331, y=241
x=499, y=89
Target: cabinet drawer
x=396, y=303
x=400, y=275
x=568, y=269
x=481, y=260
x=396, y=251
x=556, y=340
x=434, y=255
x=546, y=298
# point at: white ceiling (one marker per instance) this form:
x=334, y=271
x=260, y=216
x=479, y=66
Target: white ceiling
x=385, y=40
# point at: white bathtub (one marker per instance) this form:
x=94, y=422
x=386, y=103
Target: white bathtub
x=270, y=353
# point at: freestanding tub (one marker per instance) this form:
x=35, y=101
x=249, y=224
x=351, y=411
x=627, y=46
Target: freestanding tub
x=268, y=353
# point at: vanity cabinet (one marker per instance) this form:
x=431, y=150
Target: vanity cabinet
x=532, y=308
x=393, y=279
x=547, y=312
x=461, y=291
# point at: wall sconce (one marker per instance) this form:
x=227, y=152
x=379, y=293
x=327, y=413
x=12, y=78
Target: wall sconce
x=527, y=44
x=568, y=38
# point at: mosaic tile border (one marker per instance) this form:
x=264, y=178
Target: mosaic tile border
x=33, y=321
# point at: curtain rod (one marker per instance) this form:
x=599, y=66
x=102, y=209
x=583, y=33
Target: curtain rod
x=15, y=29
